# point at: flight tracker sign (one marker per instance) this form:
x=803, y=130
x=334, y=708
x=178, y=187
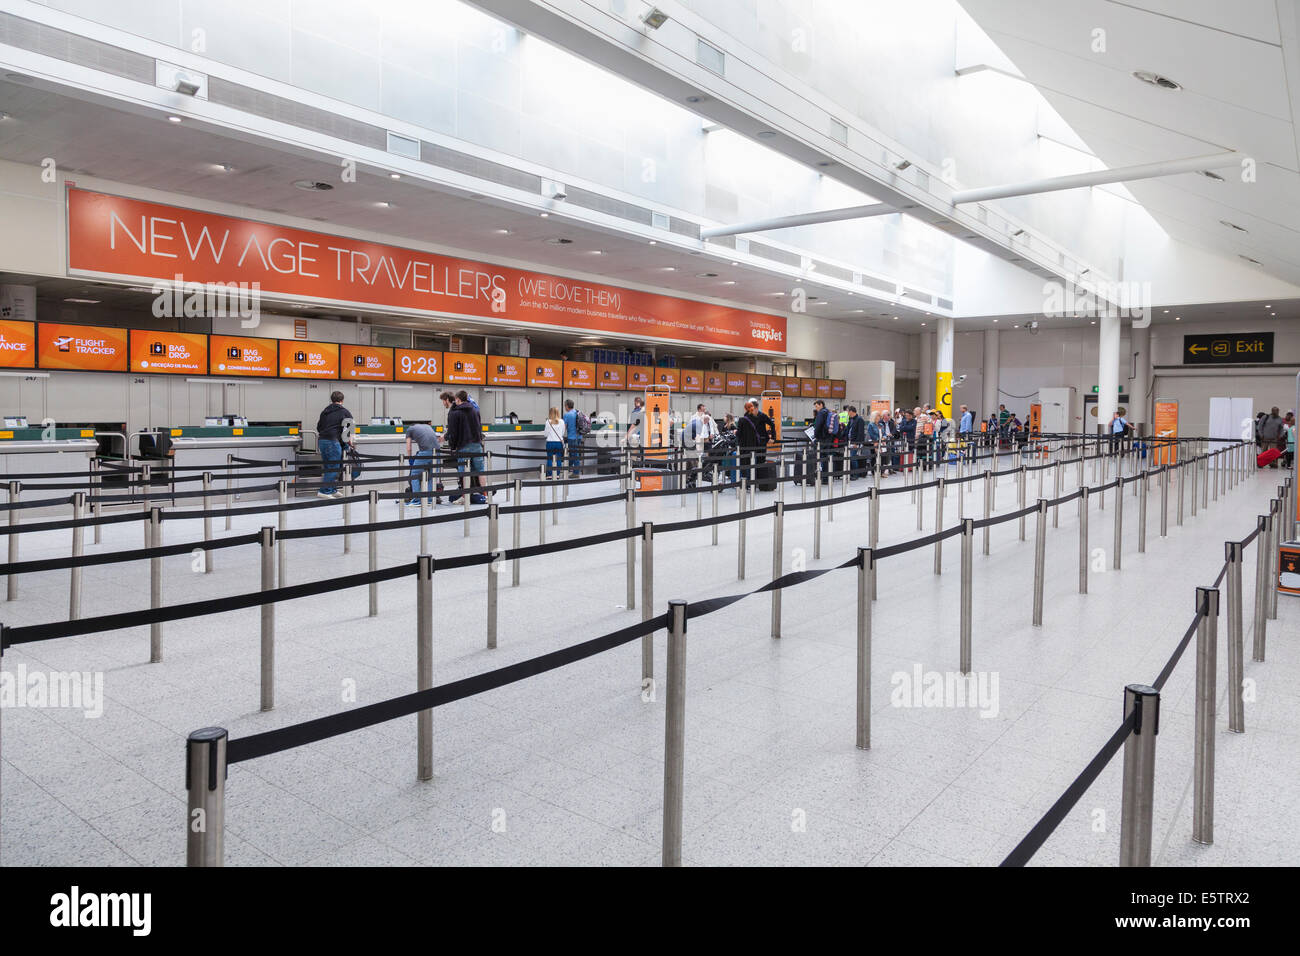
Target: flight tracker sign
x=1229, y=348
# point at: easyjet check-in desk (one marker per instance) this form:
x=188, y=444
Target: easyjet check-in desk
x=60, y=451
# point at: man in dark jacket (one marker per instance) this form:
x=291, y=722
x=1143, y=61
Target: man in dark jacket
x=753, y=431
x=333, y=428
x=855, y=436
x=464, y=436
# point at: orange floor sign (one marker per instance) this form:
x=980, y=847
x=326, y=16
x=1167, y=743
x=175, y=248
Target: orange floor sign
x=1288, y=567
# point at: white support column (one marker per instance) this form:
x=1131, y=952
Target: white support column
x=991, y=367
x=1108, y=327
x=926, y=385
x=1139, y=411
x=943, y=366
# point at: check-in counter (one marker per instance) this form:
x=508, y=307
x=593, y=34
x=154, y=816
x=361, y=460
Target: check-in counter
x=57, y=451
x=385, y=440
x=197, y=448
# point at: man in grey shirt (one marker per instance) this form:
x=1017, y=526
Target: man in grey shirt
x=423, y=441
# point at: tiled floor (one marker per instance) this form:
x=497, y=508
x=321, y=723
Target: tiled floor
x=566, y=768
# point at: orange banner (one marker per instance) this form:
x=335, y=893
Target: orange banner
x=464, y=368
x=169, y=353
x=119, y=237
x=17, y=344
x=417, y=365
x=1165, y=425
x=640, y=376
x=823, y=388
x=737, y=383
x=242, y=356
x=506, y=370
x=755, y=383
x=667, y=377
x=773, y=383
x=692, y=380
x=367, y=363
x=611, y=376
x=838, y=388
x=545, y=373
x=790, y=387
x=807, y=388
x=579, y=375
x=715, y=383
x=81, y=347
x=308, y=359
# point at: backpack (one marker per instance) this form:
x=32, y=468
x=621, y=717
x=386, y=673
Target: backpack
x=581, y=423
x=832, y=425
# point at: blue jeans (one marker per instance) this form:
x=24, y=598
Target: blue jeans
x=331, y=456
x=554, y=458
x=575, y=455
x=421, y=462
x=473, y=454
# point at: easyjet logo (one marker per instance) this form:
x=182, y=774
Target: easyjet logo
x=767, y=335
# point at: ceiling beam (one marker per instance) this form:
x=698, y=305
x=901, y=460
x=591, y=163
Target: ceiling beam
x=800, y=219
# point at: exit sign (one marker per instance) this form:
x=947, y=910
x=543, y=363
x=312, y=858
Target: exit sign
x=1097, y=388
x=1228, y=348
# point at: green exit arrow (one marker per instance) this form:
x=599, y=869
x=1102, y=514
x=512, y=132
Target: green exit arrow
x=1197, y=348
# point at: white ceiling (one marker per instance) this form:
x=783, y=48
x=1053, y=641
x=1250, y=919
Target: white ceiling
x=1238, y=63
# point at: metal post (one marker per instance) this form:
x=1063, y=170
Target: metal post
x=347, y=523
x=967, y=575
x=675, y=734
x=492, y=572
x=920, y=506
x=74, y=577
x=631, y=550
x=1196, y=467
x=1206, y=482
x=11, y=582
x=373, y=547
x=866, y=571
x=1262, y=584
x=647, y=601
x=268, y=619
x=1164, y=500
x=518, y=501
x=541, y=506
x=421, y=489
x=230, y=499
x=466, y=493
x=1021, y=500
x=154, y=528
x=1207, y=631
x=1274, y=537
x=205, y=784
x=1138, y=788
x=424, y=663
x=1083, y=540
x=1119, y=526
x=1056, y=493
x=715, y=511
x=988, y=505
x=938, y=525
x=817, y=519
x=207, y=522
x=146, y=482
x=282, y=517
x=740, y=547
x=1236, y=654
x=1143, y=479
x=97, y=486
x=1182, y=480
x=778, y=535
x=1040, y=560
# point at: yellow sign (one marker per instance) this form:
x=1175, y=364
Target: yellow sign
x=6, y=434
x=1165, y=426
x=943, y=393
x=236, y=431
x=88, y=433
x=293, y=431
x=400, y=429
x=176, y=433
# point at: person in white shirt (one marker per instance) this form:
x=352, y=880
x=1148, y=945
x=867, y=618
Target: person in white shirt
x=556, y=431
x=699, y=435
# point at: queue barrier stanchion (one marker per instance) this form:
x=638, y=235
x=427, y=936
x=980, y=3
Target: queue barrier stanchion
x=205, y=783
x=1275, y=538
x=817, y=519
x=647, y=603
x=146, y=478
x=630, y=558
x=919, y=494
x=267, y=547
x=1196, y=468
x=674, y=734
x=1138, y=789
x=988, y=505
x=281, y=524
x=467, y=492
x=518, y=500
x=1262, y=583
x=541, y=505
x=1083, y=540
x=1207, y=639
x=1020, y=497
x=1040, y=559
x=715, y=513
x=424, y=489
x=97, y=491
x=1164, y=500
x=347, y=523
x=1056, y=493
x=230, y=498
x=778, y=562
x=1143, y=479
x=866, y=575
x=1182, y=481
x=207, y=523
x=967, y=589
x=1118, y=545
x=372, y=542
x=493, y=569
x=154, y=529
x=740, y=536
x=11, y=581
x=938, y=525
x=1206, y=481
x=424, y=663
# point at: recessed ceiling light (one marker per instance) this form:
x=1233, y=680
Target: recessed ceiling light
x=923, y=324
x=173, y=119
x=670, y=268
x=504, y=232
x=1178, y=318
x=778, y=293
x=1155, y=79
x=1166, y=311
x=384, y=204
x=394, y=175
x=859, y=310
x=1268, y=307
x=895, y=317
x=1092, y=323
x=654, y=242
x=312, y=185
x=83, y=301
x=729, y=282
x=545, y=215
x=995, y=321
x=765, y=134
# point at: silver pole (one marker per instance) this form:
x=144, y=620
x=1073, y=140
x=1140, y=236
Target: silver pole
x=1236, y=654
x=423, y=490
x=1164, y=500
x=1143, y=479
x=630, y=508
x=230, y=498
x=778, y=563
x=467, y=492
x=1196, y=467
x=347, y=523
x=146, y=482
x=1274, y=537
x=715, y=512
x=1119, y=526
x=207, y=522
x=1206, y=482
x=920, y=506
x=541, y=508
x=967, y=574
x=492, y=572
x=1040, y=560
x=282, y=518
x=1021, y=500
x=740, y=544
x=154, y=528
x=424, y=663
x=372, y=540
x=205, y=784
x=1262, y=583
x=1056, y=493
x=268, y=619
x=675, y=734
x=817, y=519
x=97, y=485
x=1207, y=632
x=1138, y=788
x=1083, y=540
x=11, y=582
x=647, y=601
x=866, y=570
x=74, y=577
x=518, y=501
x=938, y=524
x=1182, y=480
x=988, y=506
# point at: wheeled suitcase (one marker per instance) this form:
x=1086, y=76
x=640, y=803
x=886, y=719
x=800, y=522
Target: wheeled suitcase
x=766, y=476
